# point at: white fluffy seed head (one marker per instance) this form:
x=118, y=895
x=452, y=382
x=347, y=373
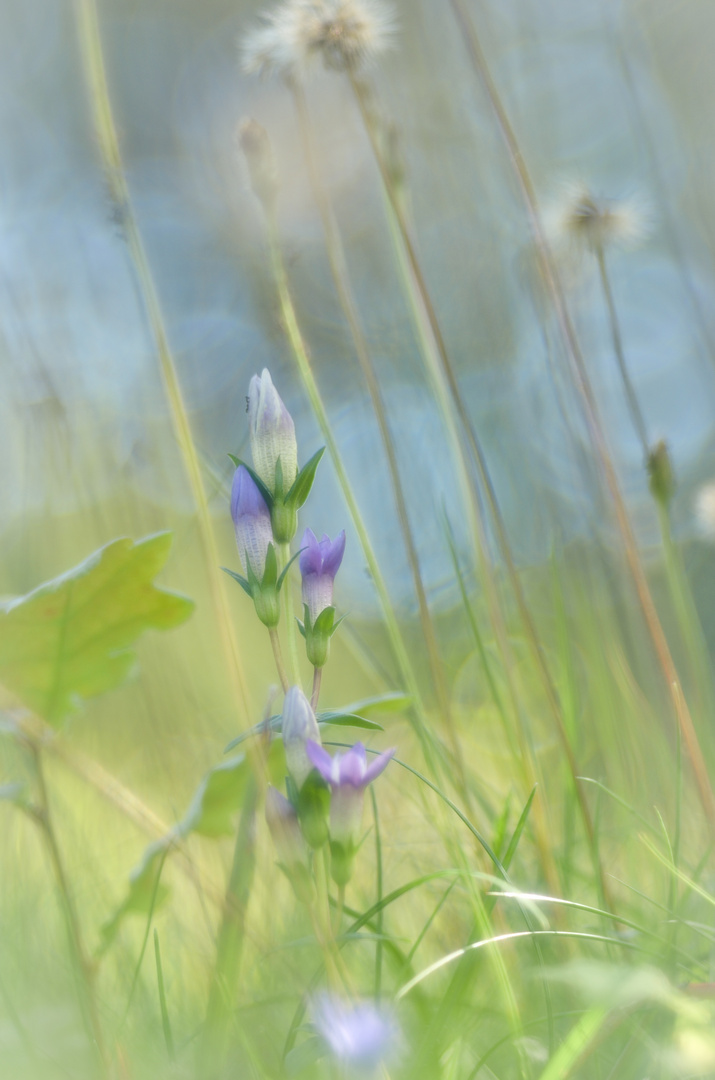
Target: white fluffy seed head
x=345, y=34
x=577, y=217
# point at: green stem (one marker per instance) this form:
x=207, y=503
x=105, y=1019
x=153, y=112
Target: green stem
x=81, y=962
x=278, y=657
x=229, y=943
x=317, y=678
x=284, y=555
x=93, y=58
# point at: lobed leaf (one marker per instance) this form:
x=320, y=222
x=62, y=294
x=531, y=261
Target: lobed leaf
x=72, y=637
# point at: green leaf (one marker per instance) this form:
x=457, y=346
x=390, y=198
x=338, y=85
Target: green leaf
x=304, y=1056
x=392, y=702
x=304, y=480
x=72, y=638
x=343, y=719
x=241, y=580
x=218, y=797
x=286, y=568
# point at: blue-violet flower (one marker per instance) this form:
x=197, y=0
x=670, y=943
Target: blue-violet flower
x=319, y=563
x=360, y=1036
x=252, y=522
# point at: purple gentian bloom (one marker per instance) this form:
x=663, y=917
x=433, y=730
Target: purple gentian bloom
x=272, y=433
x=360, y=1036
x=348, y=775
x=319, y=563
x=252, y=521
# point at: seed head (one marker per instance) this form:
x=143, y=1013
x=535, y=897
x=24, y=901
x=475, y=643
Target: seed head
x=580, y=218
x=345, y=34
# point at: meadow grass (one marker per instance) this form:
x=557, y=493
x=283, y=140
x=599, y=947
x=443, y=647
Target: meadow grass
x=532, y=892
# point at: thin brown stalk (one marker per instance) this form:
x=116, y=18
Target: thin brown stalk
x=583, y=384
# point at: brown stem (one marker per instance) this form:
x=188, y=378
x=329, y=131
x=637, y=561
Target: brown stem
x=583, y=384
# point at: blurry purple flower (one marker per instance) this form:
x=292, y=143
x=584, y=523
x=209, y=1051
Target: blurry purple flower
x=348, y=775
x=272, y=433
x=361, y=1035
x=299, y=729
x=319, y=563
x=252, y=522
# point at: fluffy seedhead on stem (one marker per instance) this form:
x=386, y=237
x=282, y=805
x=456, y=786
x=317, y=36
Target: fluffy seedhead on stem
x=344, y=34
x=581, y=219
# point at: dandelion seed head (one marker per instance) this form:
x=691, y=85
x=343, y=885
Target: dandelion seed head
x=705, y=510
x=345, y=34
x=579, y=217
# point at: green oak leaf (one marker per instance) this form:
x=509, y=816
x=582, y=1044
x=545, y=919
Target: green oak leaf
x=72, y=637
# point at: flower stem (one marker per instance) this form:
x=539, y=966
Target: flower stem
x=631, y=396
x=82, y=964
x=284, y=555
x=317, y=677
x=278, y=657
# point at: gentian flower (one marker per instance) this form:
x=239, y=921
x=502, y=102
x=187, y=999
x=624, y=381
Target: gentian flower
x=272, y=434
x=360, y=1036
x=348, y=775
x=319, y=563
x=252, y=522
x=299, y=726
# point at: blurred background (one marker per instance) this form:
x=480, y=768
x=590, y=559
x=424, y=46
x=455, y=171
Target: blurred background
x=617, y=94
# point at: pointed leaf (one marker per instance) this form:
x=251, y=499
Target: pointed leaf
x=304, y=480
x=146, y=891
x=394, y=701
x=241, y=580
x=72, y=638
x=343, y=719
x=286, y=568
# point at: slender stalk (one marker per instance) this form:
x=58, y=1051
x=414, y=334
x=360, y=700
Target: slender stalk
x=93, y=58
x=317, y=677
x=583, y=384
x=278, y=657
x=229, y=943
x=343, y=286
x=284, y=556
x=362, y=98
x=81, y=962
x=630, y=391
x=300, y=354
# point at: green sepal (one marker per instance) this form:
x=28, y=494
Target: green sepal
x=241, y=580
x=313, y=807
x=324, y=623
x=303, y=482
x=301, y=627
x=265, y=492
x=278, y=489
x=342, y=857
x=270, y=573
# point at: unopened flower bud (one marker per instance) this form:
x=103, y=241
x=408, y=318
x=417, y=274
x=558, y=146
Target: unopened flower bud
x=299, y=725
x=272, y=434
x=319, y=563
x=261, y=164
x=252, y=522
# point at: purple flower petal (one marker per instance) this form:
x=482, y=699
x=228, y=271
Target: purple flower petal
x=360, y=1035
x=378, y=765
x=321, y=759
x=333, y=556
x=311, y=560
x=352, y=767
